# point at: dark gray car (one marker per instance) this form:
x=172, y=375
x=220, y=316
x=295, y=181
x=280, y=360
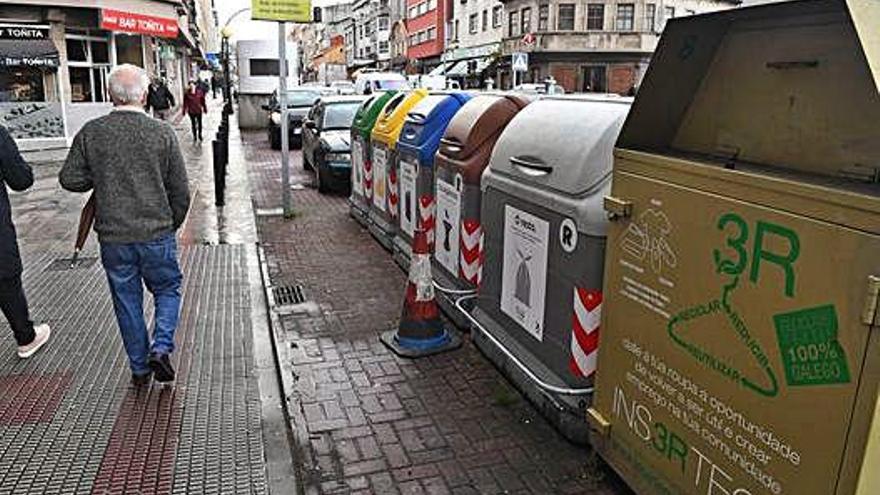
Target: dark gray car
x=326, y=141
x=299, y=101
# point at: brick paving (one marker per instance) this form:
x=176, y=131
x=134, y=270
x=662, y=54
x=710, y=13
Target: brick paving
x=366, y=421
x=71, y=422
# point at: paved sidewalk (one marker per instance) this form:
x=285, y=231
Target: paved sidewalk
x=70, y=422
x=366, y=421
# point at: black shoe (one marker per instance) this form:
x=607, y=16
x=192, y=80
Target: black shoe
x=161, y=366
x=141, y=380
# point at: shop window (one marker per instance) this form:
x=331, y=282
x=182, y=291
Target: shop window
x=77, y=50
x=526, y=17
x=565, y=18
x=625, y=16
x=100, y=52
x=543, y=17
x=596, y=16
x=21, y=84
x=88, y=60
x=80, y=84
x=496, y=16
x=129, y=50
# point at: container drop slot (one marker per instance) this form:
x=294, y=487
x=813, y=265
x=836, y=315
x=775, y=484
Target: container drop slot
x=530, y=165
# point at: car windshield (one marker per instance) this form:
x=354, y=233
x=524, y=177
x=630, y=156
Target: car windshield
x=339, y=115
x=302, y=98
x=392, y=84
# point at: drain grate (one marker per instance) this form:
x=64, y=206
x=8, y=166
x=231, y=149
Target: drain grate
x=287, y=295
x=64, y=264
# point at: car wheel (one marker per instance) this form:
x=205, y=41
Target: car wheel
x=275, y=140
x=323, y=186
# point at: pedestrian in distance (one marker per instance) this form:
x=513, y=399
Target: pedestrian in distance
x=214, y=84
x=159, y=99
x=137, y=171
x=194, y=105
x=17, y=174
x=202, y=86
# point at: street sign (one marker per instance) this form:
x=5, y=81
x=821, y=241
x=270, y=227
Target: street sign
x=281, y=10
x=520, y=61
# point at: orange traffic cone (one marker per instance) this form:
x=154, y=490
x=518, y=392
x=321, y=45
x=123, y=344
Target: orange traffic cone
x=422, y=331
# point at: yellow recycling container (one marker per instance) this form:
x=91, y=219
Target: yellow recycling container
x=386, y=201
x=740, y=345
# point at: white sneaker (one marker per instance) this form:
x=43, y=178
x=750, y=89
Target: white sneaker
x=41, y=333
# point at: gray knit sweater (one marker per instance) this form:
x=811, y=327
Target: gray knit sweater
x=135, y=166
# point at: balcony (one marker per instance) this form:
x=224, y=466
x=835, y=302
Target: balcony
x=584, y=41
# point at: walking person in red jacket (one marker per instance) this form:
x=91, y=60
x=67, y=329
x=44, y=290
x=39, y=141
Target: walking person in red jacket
x=194, y=105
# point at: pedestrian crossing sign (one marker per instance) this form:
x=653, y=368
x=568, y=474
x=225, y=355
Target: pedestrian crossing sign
x=520, y=61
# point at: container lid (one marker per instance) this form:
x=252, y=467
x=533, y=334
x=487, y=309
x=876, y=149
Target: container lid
x=564, y=145
x=791, y=85
x=432, y=112
x=366, y=116
x=478, y=120
x=392, y=117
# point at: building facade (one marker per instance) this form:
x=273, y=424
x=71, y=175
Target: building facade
x=368, y=39
x=474, y=41
x=590, y=45
x=426, y=32
x=55, y=56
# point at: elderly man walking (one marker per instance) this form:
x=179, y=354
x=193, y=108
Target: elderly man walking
x=134, y=164
x=15, y=173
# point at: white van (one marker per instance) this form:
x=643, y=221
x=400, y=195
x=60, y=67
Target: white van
x=368, y=82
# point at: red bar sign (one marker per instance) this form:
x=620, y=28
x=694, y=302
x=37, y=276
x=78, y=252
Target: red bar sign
x=127, y=22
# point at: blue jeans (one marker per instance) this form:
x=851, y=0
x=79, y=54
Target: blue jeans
x=129, y=267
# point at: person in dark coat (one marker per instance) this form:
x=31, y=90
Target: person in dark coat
x=159, y=99
x=17, y=174
x=215, y=83
x=194, y=105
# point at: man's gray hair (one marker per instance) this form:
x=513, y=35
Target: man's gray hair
x=128, y=84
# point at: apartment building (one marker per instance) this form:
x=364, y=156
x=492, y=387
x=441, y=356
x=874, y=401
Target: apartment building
x=426, y=32
x=367, y=37
x=590, y=45
x=474, y=41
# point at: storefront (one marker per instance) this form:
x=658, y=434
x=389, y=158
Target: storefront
x=30, y=105
x=55, y=60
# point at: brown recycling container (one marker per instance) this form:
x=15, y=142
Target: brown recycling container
x=740, y=344
x=460, y=161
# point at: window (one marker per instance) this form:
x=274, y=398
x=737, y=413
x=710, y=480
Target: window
x=383, y=23
x=543, y=17
x=496, y=16
x=22, y=84
x=264, y=66
x=485, y=20
x=650, y=17
x=690, y=12
x=565, y=18
x=455, y=30
x=432, y=4
x=423, y=8
x=526, y=20
x=625, y=15
x=596, y=16
x=129, y=50
x=383, y=47
x=432, y=33
x=88, y=64
x=472, y=24
x=413, y=12
x=513, y=24
x=668, y=13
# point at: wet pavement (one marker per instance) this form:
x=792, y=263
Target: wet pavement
x=70, y=421
x=365, y=420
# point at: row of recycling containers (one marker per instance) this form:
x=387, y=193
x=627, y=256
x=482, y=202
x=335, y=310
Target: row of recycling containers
x=723, y=230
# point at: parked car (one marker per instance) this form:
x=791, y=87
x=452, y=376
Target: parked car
x=299, y=101
x=343, y=87
x=326, y=141
x=539, y=89
x=367, y=82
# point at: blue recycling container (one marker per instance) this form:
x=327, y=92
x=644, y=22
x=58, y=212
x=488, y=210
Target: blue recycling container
x=416, y=147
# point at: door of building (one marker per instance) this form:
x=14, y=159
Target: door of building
x=594, y=79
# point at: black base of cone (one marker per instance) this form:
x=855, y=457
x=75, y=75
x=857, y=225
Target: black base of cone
x=390, y=339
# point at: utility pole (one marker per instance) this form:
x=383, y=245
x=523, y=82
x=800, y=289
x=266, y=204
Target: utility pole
x=282, y=101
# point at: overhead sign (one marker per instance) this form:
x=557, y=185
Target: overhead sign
x=520, y=61
x=23, y=32
x=281, y=10
x=127, y=22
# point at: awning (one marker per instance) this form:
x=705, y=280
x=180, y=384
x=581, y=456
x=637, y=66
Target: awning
x=28, y=53
x=440, y=69
x=458, y=69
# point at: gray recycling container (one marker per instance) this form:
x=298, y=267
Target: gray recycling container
x=544, y=247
